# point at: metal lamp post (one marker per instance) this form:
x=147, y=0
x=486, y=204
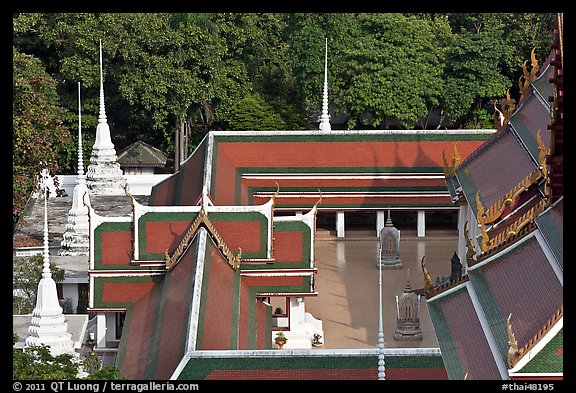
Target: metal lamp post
x=381, y=366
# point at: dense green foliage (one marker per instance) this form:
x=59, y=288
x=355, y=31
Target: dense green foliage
x=164, y=73
x=26, y=362
x=39, y=137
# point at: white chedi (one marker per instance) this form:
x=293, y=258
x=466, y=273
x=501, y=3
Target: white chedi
x=48, y=326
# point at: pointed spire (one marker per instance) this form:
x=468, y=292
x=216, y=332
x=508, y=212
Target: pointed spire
x=75, y=239
x=407, y=287
x=48, y=326
x=325, y=118
x=389, y=219
x=46, y=265
x=80, y=159
x=102, y=115
x=104, y=175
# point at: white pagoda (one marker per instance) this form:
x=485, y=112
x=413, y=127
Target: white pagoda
x=75, y=240
x=48, y=326
x=104, y=174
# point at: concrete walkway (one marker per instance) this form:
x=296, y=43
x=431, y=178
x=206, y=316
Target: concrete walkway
x=347, y=283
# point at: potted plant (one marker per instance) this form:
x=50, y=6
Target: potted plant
x=280, y=339
x=316, y=340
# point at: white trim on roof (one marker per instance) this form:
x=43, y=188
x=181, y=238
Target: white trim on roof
x=537, y=348
x=354, y=132
x=502, y=366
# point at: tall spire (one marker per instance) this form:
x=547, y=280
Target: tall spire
x=48, y=325
x=325, y=118
x=102, y=115
x=75, y=240
x=104, y=174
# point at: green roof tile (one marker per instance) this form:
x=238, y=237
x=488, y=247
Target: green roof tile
x=550, y=359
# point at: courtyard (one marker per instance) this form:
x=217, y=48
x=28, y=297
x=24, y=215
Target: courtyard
x=347, y=283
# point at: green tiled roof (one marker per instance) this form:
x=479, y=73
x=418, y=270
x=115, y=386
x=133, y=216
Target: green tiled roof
x=450, y=356
x=347, y=366
x=550, y=359
x=551, y=226
x=542, y=84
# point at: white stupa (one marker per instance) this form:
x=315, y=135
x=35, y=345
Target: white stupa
x=48, y=325
x=75, y=240
x=325, y=117
x=104, y=175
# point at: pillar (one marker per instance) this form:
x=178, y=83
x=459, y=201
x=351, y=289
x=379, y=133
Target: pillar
x=101, y=330
x=379, y=221
x=421, y=223
x=339, y=224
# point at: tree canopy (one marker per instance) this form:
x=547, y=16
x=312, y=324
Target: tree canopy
x=171, y=77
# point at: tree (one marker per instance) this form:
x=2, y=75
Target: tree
x=473, y=77
x=394, y=73
x=39, y=137
x=37, y=363
x=26, y=274
x=253, y=113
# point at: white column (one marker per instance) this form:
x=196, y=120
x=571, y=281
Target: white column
x=339, y=224
x=111, y=327
x=101, y=330
x=421, y=223
x=379, y=221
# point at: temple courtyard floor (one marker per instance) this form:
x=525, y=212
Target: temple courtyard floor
x=347, y=284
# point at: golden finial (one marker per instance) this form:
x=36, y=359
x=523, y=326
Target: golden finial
x=167, y=259
x=470, y=250
x=498, y=117
x=450, y=169
x=509, y=109
x=236, y=260
x=528, y=77
x=319, y=200
x=456, y=157
x=543, y=152
x=126, y=188
x=428, y=285
x=481, y=220
x=512, y=343
x=479, y=208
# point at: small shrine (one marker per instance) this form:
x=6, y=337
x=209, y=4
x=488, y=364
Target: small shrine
x=456, y=267
x=408, y=314
x=389, y=250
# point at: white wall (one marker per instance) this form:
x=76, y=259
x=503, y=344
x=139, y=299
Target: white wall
x=138, y=184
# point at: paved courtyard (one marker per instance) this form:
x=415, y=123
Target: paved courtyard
x=347, y=283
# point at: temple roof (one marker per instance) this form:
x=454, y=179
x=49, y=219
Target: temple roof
x=141, y=154
x=551, y=226
x=353, y=169
x=401, y=364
